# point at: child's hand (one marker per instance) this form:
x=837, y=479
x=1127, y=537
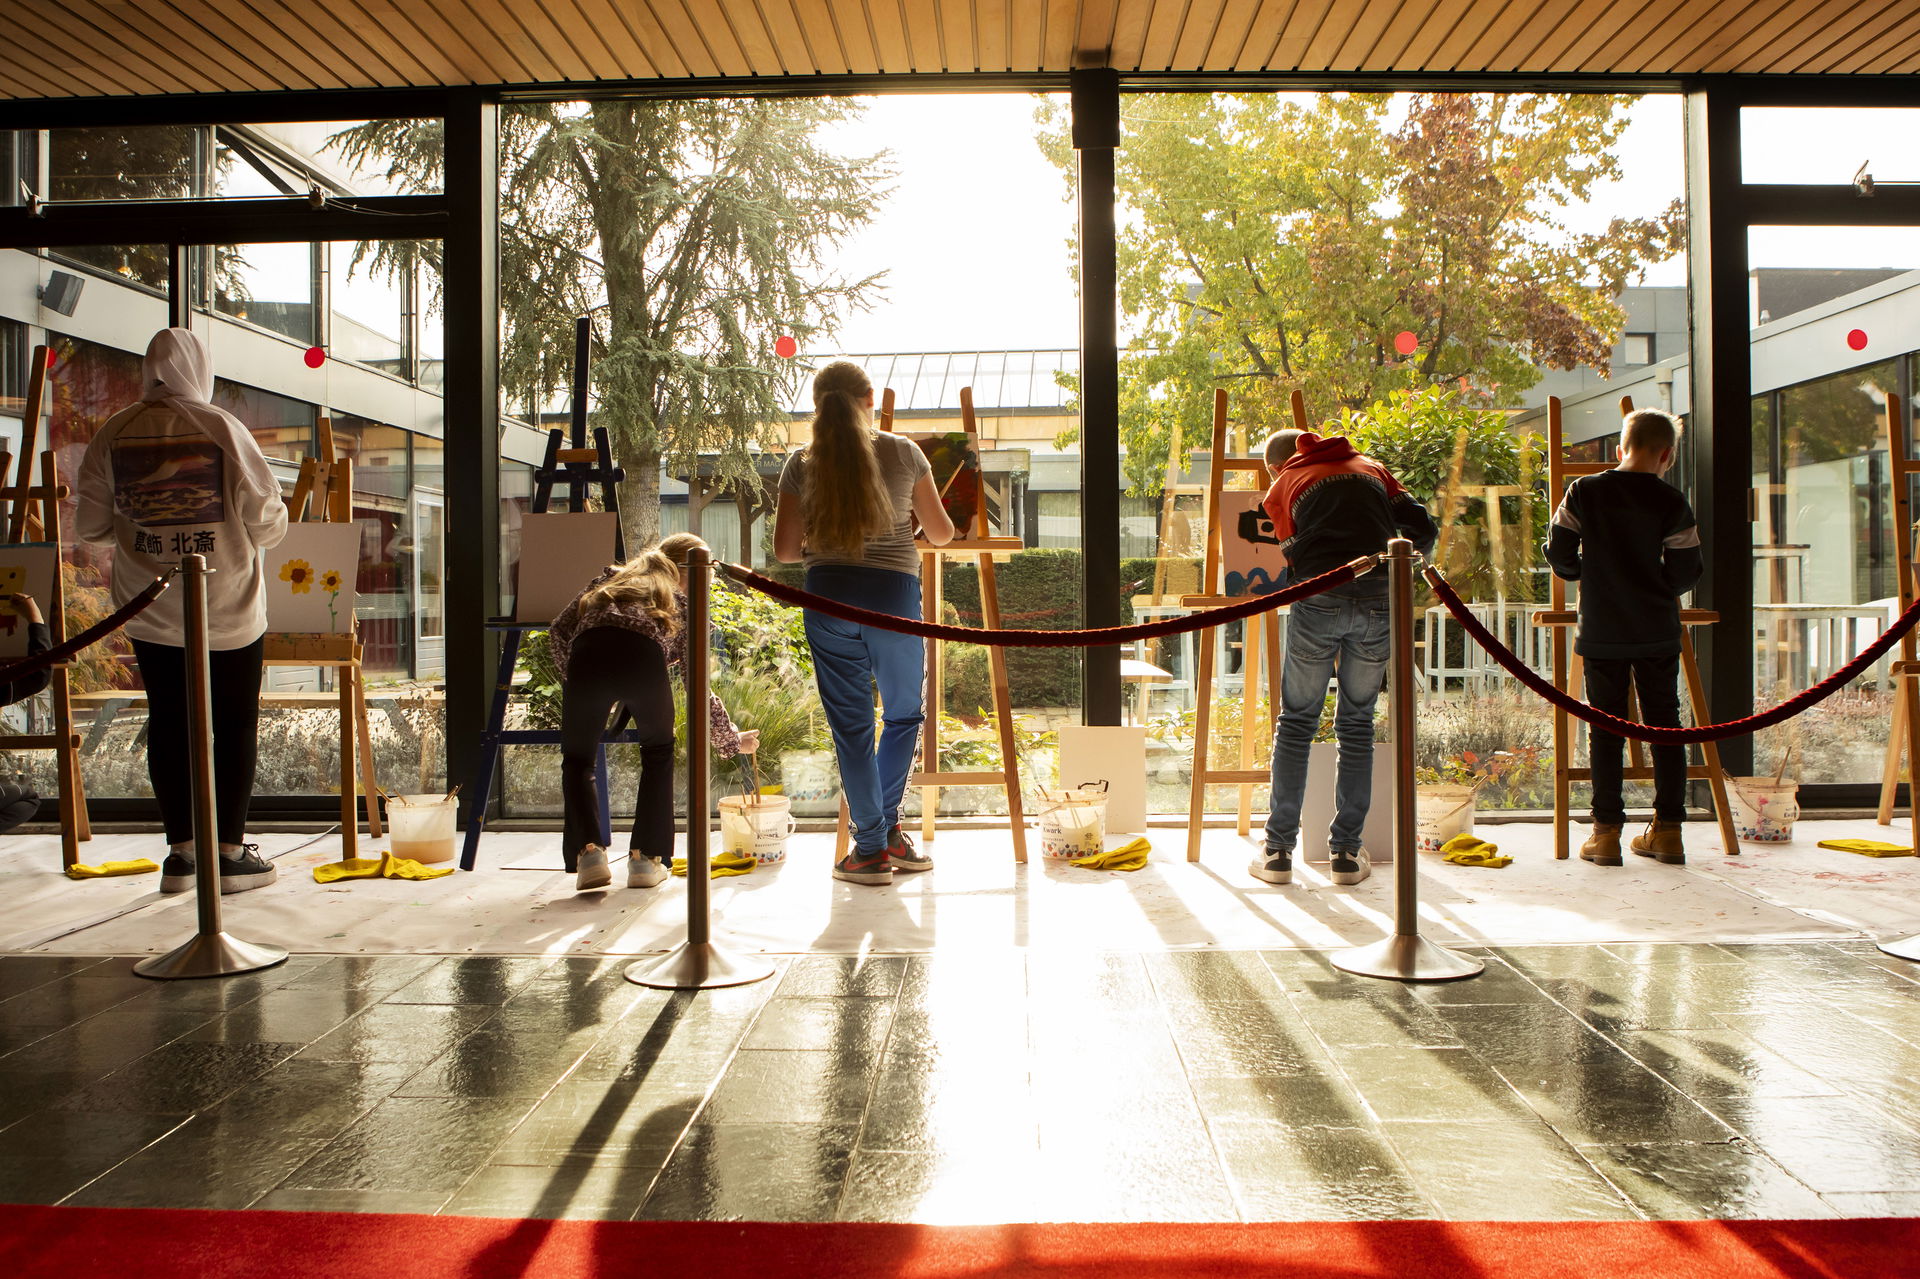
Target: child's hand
x=749, y=741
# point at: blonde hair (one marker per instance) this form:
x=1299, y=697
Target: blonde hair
x=676, y=545
x=650, y=580
x=845, y=502
x=1650, y=430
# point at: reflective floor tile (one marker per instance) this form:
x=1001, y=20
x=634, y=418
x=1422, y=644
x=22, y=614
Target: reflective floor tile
x=409, y=1199
x=595, y=1189
x=180, y=1077
x=491, y=1063
x=1894, y=1203
x=395, y=1032
x=72, y=999
x=1449, y=1084
x=1212, y=976
x=833, y=976
x=24, y=972
x=1520, y=1033
x=1317, y=1099
x=1721, y=1065
x=1721, y=1180
x=912, y=1110
x=1279, y=1173
x=95, y=1137
x=1519, y=1171
x=598, y=1119
x=202, y=1164
x=356, y=972
x=476, y=979
x=1341, y=1018
x=304, y=1100
x=106, y=1041
x=413, y=1143
x=754, y=1172
x=977, y=1188
x=848, y=1023
x=1835, y=1144
x=1245, y=1037
x=1607, y=1102
x=286, y=1016
x=764, y=1086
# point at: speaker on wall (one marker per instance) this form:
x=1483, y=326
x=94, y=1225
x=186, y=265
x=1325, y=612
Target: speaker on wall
x=62, y=292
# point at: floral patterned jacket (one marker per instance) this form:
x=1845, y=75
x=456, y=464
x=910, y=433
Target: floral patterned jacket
x=573, y=620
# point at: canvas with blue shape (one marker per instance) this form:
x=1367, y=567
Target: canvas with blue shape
x=1252, y=560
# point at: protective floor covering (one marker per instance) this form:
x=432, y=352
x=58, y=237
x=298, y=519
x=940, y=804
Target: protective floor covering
x=978, y=898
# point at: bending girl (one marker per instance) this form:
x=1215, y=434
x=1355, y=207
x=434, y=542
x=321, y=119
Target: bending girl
x=847, y=507
x=613, y=644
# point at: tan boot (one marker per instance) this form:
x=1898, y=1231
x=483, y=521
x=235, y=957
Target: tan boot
x=1662, y=840
x=1603, y=846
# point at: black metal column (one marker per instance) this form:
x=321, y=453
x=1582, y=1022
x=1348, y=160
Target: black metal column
x=1096, y=135
x=472, y=427
x=1720, y=432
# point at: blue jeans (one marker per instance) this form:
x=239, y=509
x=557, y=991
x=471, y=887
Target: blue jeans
x=849, y=660
x=1320, y=631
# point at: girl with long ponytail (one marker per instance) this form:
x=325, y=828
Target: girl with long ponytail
x=848, y=502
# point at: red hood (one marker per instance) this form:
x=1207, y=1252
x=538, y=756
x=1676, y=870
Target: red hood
x=1313, y=450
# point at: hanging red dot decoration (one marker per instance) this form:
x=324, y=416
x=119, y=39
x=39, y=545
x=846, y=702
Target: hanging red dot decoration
x=1406, y=342
x=1857, y=339
x=785, y=347
x=315, y=356
x=51, y=357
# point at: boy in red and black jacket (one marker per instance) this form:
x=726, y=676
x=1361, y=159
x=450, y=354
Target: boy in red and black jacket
x=1331, y=504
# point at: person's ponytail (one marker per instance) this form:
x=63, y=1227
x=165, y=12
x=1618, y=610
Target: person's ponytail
x=845, y=501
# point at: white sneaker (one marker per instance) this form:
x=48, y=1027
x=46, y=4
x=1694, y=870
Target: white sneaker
x=593, y=871
x=645, y=872
x=1351, y=868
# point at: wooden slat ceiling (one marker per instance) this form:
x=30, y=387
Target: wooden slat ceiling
x=93, y=48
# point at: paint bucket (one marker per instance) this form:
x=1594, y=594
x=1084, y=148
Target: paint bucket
x=1440, y=813
x=422, y=826
x=1073, y=822
x=756, y=826
x=1764, y=809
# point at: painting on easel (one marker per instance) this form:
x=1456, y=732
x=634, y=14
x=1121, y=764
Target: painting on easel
x=955, y=458
x=311, y=579
x=1252, y=558
x=569, y=549
x=25, y=569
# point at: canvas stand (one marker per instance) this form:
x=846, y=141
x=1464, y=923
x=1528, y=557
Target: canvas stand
x=1905, y=737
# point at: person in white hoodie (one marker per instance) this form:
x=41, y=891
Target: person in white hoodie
x=167, y=477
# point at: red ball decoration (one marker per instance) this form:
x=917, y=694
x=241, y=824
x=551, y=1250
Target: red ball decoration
x=315, y=356
x=51, y=357
x=1857, y=339
x=785, y=347
x=1406, y=342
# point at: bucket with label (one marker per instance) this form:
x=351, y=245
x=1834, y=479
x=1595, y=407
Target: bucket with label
x=1440, y=813
x=756, y=826
x=1764, y=809
x=1073, y=822
x=422, y=826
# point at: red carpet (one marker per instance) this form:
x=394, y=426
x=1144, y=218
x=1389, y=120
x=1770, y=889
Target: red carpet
x=139, y=1243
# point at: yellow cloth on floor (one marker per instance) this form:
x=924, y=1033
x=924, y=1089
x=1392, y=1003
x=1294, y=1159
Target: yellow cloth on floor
x=107, y=870
x=385, y=866
x=1131, y=855
x=1868, y=847
x=720, y=866
x=1471, y=850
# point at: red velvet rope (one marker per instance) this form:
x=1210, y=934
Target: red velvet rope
x=93, y=634
x=1651, y=733
x=1048, y=639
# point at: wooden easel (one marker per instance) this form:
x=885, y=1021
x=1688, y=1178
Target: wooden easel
x=1261, y=640
x=323, y=494
x=980, y=543
x=1905, y=737
x=1567, y=672
x=33, y=513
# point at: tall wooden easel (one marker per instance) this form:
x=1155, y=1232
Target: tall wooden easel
x=1261, y=640
x=323, y=494
x=1567, y=671
x=1905, y=738
x=33, y=514
x=981, y=543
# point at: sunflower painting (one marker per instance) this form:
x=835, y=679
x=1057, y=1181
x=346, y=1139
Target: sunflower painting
x=304, y=599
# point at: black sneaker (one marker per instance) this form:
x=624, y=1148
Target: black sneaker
x=902, y=855
x=864, y=868
x=248, y=870
x=1273, y=866
x=176, y=874
x=1351, y=868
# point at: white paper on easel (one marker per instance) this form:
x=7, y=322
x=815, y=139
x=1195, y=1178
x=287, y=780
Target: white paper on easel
x=559, y=554
x=1117, y=755
x=312, y=579
x=26, y=568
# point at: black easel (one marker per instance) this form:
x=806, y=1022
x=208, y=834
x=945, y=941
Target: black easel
x=579, y=466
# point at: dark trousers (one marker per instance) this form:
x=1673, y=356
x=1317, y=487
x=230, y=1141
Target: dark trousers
x=608, y=666
x=235, y=687
x=18, y=803
x=1657, y=681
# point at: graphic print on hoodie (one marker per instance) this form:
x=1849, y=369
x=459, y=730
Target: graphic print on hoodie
x=1330, y=503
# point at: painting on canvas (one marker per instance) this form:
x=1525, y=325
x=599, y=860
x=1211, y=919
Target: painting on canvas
x=955, y=459
x=1252, y=558
x=312, y=579
x=25, y=569
x=570, y=550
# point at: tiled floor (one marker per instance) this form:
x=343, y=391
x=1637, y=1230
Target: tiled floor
x=1778, y=1080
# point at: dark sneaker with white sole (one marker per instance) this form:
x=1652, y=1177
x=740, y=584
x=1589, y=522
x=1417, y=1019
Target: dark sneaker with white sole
x=859, y=867
x=1273, y=866
x=902, y=855
x=1350, y=868
x=237, y=873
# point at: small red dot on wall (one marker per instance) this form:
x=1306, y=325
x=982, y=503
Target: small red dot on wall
x=315, y=356
x=785, y=347
x=1857, y=339
x=1406, y=342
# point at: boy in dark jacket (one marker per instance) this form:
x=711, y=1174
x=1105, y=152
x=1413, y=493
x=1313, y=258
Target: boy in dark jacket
x=18, y=802
x=1330, y=504
x=1629, y=538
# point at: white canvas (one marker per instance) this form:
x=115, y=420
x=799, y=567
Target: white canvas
x=26, y=568
x=1252, y=557
x=566, y=551
x=1116, y=755
x=311, y=579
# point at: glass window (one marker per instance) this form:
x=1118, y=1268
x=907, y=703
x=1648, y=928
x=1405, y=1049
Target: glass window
x=1828, y=146
x=430, y=324
x=157, y=162
x=268, y=285
x=1637, y=348
x=369, y=304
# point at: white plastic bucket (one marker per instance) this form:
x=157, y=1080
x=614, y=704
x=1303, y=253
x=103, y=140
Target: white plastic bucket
x=1764, y=810
x=421, y=826
x=1073, y=822
x=756, y=826
x=1440, y=813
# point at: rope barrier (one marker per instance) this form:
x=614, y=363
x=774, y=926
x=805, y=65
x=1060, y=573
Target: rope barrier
x=1654, y=733
x=92, y=635
x=1005, y=638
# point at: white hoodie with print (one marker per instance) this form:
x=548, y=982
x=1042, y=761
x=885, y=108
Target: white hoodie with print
x=172, y=476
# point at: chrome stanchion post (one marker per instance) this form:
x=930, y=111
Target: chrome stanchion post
x=1405, y=956
x=211, y=952
x=698, y=963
